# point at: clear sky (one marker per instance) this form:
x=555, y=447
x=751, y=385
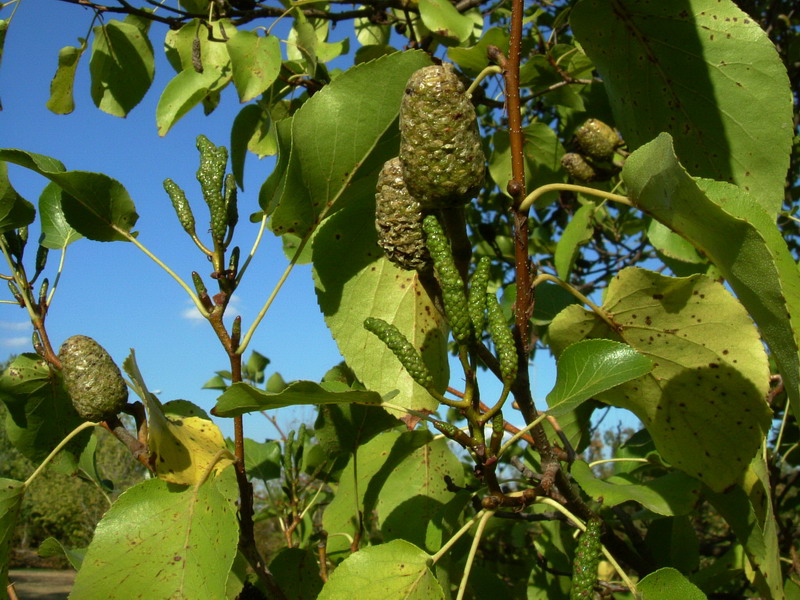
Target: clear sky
x=113, y=292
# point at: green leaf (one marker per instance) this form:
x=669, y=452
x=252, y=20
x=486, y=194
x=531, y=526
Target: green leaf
x=551, y=299
x=52, y=547
x=673, y=543
x=303, y=40
x=703, y=71
x=396, y=570
x=87, y=465
x=446, y=521
x=759, y=266
x=370, y=53
x=11, y=496
x=215, y=383
x=590, y=367
x=62, y=101
x=255, y=61
x=352, y=114
x=371, y=34
x=254, y=130
x=186, y=90
x=40, y=413
x=543, y=152
x=183, y=541
x=344, y=427
x=262, y=459
x=15, y=211
x=95, y=205
x=256, y=363
x=672, y=494
x=443, y=19
x=668, y=584
x=671, y=244
x=415, y=491
x=709, y=366
x=578, y=231
x=354, y=281
x=728, y=568
x=361, y=481
x=3, y=30
x=179, y=46
x=241, y=398
x=56, y=232
x=747, y=507
x=122, y=67
x=297, y=573
x=473, y=60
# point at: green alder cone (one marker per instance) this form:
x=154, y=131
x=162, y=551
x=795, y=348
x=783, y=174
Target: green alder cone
x=398, y=220
x=440, y=147
x=93, y=381
x=578, y=167
x=597, y=140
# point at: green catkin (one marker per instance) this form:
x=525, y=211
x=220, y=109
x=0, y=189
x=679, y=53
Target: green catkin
x=198, y=284
x=402, y=349
x=476, y=301
x=502, y=338
x=587, y=557
x=231, y=201
x=15, y=292
x=453, y=296
x=181, y=206
x=41, y=258
x=211, y=175
x=288, y=450
x=233, y=261
x=43, y=291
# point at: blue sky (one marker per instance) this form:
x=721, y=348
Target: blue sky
x=113, y=292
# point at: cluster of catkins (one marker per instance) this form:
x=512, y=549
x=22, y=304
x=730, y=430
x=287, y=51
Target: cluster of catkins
x=441, y=163
x=596, y=158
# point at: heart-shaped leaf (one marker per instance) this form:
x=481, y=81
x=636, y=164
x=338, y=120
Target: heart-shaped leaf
x=709, y=366
x=705, y=72
x=95, y=205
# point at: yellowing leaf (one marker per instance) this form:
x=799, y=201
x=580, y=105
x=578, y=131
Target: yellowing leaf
x=184, y=443
x=188, y=446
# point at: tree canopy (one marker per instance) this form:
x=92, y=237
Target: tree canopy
x=474, y=183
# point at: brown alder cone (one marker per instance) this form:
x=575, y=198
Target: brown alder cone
x=398, y=220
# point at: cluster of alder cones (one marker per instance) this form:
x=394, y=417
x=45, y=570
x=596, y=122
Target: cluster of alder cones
x=441, y=163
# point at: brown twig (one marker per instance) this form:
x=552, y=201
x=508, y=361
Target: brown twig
x=135, y=446
x=523, y=308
